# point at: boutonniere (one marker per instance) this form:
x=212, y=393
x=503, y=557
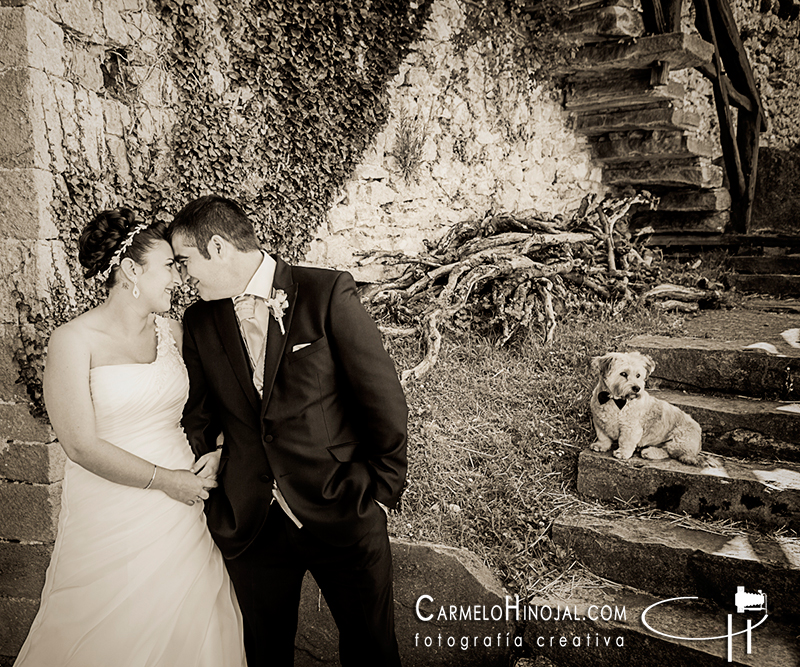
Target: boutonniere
x=277, y=304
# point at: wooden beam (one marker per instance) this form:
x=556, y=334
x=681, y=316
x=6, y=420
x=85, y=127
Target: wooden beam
x=734, y=54
x=738, y=99
x=730, y=149
x=673, y=9
x=653, y=17
x=748, y=138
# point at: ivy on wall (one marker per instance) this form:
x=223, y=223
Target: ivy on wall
x=275, y=104
x=279, y=101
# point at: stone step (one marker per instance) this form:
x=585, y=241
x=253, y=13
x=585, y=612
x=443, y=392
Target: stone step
x=681, y=221
x=679, y=50
x=723, y=366
x=776, y=284
x=667, y=559
x=695, y=173
x=717, y=199
x=601, y=23
x=769, y=264
x=741, y=427
x=766, y=495
x=631, y=146
x=658, y=116
x=581, y=638
x=615, y=93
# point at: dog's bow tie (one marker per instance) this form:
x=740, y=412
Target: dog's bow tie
x=604, y=397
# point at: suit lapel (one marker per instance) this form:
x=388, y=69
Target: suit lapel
x=276, y=341
x=228, y=328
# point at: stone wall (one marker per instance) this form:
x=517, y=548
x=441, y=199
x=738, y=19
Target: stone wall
x=55, y=110
x=484, y=141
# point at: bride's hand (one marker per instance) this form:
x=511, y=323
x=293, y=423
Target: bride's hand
x=183, y=485
x=207, y=465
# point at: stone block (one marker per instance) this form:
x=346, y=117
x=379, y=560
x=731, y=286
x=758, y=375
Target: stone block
x=25, y=197
x=718, y=199
x=783, y=264
x=84, y=65
x=693, y=172
x=115, y=28
x=18, y=146
x=446, y=576
x=774, y=284
x=615, y=97
x=40, y=463
x=720, y=417
x=78, y=15
x=10, y=390
x=48, y=138
x=679, y=50
x=714, y=222
x=652, y=145
x=665, y=116
x=655, y=554
x=30, y=511
x=22, y=569
x=30, y=39
x=583, y=638
x=16, y=616
x=765, y=495
x=16, y=423
x=90, y=115
x=723, y=365
x=599, y=24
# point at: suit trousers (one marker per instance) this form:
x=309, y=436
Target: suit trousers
x=355, y=580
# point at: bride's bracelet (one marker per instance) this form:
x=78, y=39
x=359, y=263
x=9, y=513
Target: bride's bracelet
x=155, y=467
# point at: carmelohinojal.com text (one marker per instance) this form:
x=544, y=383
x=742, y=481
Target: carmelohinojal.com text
x=513, y=611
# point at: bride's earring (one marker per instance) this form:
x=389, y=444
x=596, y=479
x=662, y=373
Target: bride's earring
x=135, y=289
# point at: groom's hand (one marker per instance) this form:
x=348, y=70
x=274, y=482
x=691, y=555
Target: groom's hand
x=208, y=465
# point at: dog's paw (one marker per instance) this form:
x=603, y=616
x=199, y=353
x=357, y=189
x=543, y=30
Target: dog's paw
x=598, y=446
x=622, y=455
x=654, y=453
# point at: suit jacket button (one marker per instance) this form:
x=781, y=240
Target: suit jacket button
x=267, y=438
x=264, y=478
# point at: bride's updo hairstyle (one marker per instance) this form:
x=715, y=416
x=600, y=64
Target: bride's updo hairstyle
x=112, y=236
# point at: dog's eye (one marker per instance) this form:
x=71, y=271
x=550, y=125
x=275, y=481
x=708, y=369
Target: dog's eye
x=624, y=374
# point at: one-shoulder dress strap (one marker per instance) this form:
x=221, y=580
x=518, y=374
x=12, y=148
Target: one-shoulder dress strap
x=166, y=341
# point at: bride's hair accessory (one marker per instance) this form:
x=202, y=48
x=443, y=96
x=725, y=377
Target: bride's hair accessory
x=116, y=258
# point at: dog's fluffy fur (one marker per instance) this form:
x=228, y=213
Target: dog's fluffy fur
x=643, y=420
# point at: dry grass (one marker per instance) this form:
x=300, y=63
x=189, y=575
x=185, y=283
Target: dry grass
x=493, y=445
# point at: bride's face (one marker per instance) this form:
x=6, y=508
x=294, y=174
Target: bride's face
x=159, y=277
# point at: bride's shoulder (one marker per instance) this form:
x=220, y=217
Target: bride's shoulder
x=74, y=336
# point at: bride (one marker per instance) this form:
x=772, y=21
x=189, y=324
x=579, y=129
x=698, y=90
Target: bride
x=135, y=579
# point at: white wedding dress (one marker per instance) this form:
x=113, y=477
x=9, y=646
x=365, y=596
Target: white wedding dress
x=135, y=579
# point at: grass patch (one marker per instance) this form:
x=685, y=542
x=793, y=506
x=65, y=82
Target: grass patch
x=494, y=436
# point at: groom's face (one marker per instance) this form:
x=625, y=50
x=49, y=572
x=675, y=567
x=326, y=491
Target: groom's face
x=207, y=275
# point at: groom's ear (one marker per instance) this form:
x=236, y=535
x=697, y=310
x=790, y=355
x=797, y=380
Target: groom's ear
x=217, y=246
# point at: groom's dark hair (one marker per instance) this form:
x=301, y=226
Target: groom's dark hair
x=202, y=218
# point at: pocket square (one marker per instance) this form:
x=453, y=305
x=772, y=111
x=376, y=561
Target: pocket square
x=300, y=346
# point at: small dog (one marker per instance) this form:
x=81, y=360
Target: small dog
x=622, y=410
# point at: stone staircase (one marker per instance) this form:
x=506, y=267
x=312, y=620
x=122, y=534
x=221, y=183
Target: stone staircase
x=620, y=93
x=662, y=530
x=774, y=274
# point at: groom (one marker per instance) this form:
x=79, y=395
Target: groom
x=285, y=363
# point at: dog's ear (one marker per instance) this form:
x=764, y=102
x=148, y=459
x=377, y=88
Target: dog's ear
x=600, y=365
x=649, y=364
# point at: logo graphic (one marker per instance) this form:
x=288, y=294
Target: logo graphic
x=749, y=601
x=744, y=602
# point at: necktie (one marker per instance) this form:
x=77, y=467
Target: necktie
x=253, y=319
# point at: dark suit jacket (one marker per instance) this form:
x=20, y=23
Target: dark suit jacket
x=331, y=427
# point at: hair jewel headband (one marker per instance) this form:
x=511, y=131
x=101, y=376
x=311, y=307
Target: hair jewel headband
x=116, y=258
